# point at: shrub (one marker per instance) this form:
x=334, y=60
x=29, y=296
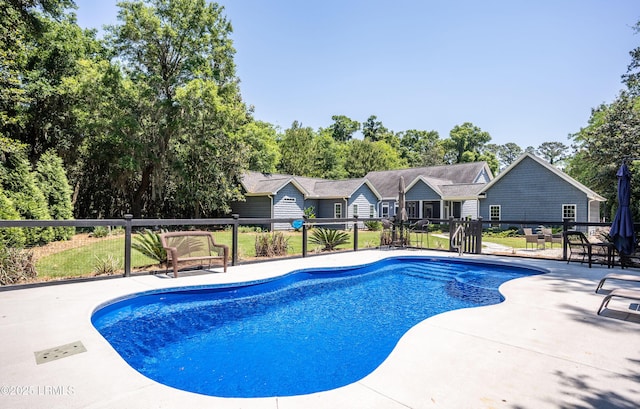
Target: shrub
x=373, y=225
x=10, y=236
x=270, y=245
x=108, y=265
x=19, y=184
x=16, y=265
x=329, y=239
x=149, y=244
x=100, y=231
x=52, y=180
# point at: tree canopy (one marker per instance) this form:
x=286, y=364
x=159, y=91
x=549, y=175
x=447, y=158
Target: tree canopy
x=150, y=120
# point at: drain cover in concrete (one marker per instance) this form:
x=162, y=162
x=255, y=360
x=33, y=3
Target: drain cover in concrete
x=62, y=351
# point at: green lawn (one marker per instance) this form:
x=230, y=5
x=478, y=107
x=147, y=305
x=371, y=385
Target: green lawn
x=81, y=261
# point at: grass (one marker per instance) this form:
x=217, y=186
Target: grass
x=81, y=261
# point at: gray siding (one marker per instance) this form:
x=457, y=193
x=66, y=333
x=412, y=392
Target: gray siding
x=422, y=191
x=363, y=197
x=254, y=206
x=470, y=209
x=532, y=192
x=287, y=203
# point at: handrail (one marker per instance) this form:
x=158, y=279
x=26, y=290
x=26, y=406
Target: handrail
x=458, y=234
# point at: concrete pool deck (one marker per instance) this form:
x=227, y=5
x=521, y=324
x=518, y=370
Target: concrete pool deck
x=544, y=347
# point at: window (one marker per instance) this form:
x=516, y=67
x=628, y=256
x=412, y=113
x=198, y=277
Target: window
x=288, y=199
x=372, y=211
x=412, y=210
x=337, y=210
x=385, y=210
x=494, y=212
x=569, y=212
x=355, y=209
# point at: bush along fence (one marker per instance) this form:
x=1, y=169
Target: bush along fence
x=464, y=236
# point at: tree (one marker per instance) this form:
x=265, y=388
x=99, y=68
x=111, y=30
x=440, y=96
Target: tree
x=22, y=21
x=163, y=46
x=295, y=146
x=609, y=138
x=421, y=148
x=264, y=154
x=52, y=181
x=465, y=143
x=632, y=78
x=19, y=185
x=365, y=156
x=553, y=152
x=209, y=158
x=343, y=128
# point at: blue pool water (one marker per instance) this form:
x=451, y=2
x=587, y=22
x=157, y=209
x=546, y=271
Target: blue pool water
x=308, y=331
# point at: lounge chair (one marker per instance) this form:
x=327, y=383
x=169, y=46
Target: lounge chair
x=619, y=292
x=617, y=276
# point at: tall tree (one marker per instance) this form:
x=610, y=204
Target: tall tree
x=295, y=147
x=365, y=156
x=610, y=137
x=421, y=148
x=343, y=128
x=163, y=45
x=264, y=154
x=465, y=143
x=553, y=152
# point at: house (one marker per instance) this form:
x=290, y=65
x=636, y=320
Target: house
x=437, y=192
x=285, y=196
x=529, y=189
x=532, y=189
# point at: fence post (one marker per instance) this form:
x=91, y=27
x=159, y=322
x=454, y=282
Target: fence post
x=234, y=239
x=355, y=233
x=565, y=228
x=304, y=236
x=452, y=229
x=479, y=236
x=127, y=244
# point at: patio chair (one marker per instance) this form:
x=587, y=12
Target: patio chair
x=551, y=238
x=580, y=246
x=536, y=239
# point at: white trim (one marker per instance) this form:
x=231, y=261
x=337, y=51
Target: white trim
x=575, y=210
x=499, y=212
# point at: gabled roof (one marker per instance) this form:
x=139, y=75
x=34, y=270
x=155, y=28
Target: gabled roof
x=588, y=192
x=260, y=184
x=386, y=181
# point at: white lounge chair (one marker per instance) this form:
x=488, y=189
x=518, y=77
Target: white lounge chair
x=619, y=292
x=617, y=276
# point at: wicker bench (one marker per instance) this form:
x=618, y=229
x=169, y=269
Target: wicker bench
x=191, y=246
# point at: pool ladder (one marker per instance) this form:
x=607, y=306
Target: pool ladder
x=457, y=240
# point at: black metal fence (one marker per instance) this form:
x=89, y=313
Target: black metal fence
x=472, y=229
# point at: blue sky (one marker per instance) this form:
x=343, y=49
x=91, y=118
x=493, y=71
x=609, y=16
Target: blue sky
x=525, y=71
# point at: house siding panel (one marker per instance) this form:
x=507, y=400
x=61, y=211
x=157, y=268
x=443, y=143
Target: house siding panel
x=287, y=203
x=422, y=191
x=254, y=206
x=532, y=192
x=363, y=197
x=470, y=209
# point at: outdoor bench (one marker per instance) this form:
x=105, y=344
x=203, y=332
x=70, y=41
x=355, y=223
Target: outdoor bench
x=191, y=246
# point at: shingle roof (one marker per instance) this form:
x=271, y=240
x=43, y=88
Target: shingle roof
x=386, y=181
x=256, y=183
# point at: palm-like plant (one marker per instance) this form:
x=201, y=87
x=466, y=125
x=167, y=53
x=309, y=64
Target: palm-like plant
x=149, y=244
x=329, y=239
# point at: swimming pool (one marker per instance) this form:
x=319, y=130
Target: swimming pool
x=308, y=331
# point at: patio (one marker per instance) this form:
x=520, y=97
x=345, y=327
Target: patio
x=543, y=347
